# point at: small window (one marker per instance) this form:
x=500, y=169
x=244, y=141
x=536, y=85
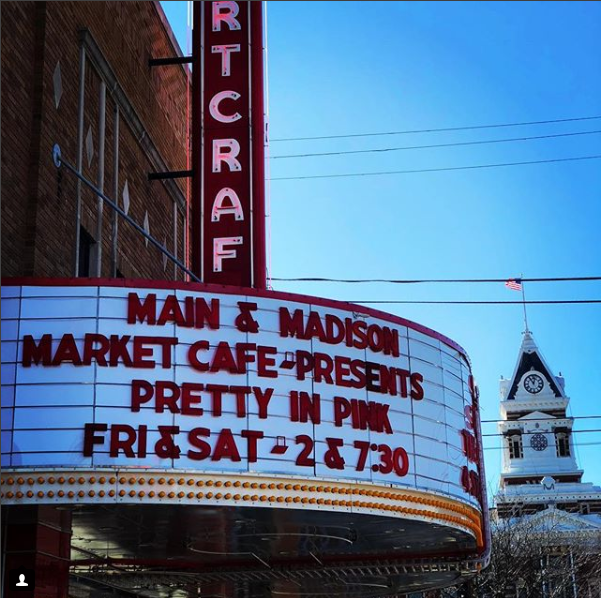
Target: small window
x=515, y=446
x=86, y=244
x=562, y=444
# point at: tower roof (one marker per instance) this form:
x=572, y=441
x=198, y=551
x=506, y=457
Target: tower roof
x=531, y=358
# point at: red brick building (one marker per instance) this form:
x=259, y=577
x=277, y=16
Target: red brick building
x=58, y=60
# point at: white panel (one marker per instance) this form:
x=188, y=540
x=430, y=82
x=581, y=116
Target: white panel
x=424, y=338
x=431, y=468
x=283, y=343
x=452, y=365
x=7, y=418
x=456, y=456
x=124, y=375
x=151, y=461
x=9, y=350
x=430, y=372
x=281, y=426
x=10, y=308
x=57, y=328
x=8, y=373
x=427, y=353
x=9, y=329
x=428, y=428
x=52, y=417
x=453, y=383
x=400, y=421
x=227, y=420
x=188, y=374
x=113, y=308
x=454, y=401
x=346, y=433
x=454, y=420
x=6, y=440
x=50, y=459
x=284, y=383
x=108, y=326
x=8, y=291
x=119, y=415
x=39, y=441
x=7, y=395
x=56, y=375
x=433, y=392
x=436, y=485
x=432, y=447
x=429, y=409
x=32, y=395
x=188, y=336
x=65, y=307
x=113, y=395
x=55, y=291
x=140, y=291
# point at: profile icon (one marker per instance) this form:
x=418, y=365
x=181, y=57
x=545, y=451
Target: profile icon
x=22, y=580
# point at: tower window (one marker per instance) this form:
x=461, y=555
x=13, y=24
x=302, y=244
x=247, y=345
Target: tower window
x=562, y=443
x=515, y=446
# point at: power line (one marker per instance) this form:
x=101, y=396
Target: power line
x=533, y=302
x=431, y=146
x=494, y=421
x=537, y=432
x=438, y=130
x=439, y=280
x=422, y=170
x=500, y=448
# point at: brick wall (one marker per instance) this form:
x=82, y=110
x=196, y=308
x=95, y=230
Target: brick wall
x=39, y=201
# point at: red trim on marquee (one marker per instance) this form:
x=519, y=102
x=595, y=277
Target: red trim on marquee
x=230, y=290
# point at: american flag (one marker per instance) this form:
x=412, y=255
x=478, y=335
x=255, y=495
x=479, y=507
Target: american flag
x=515, y=284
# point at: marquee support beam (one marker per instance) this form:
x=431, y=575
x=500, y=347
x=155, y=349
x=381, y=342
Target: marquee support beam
x=170, y=61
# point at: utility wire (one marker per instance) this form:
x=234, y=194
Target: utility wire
x=440, y=280
x=494, y=421
x=439, y=130
x=422, y=170
x=500, y=448
x=537, y=432
x=533, y=302
x=431, y=146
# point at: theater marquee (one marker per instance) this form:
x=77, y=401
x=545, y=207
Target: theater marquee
x=257, y=383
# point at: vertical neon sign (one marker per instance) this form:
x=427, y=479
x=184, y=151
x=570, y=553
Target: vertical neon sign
x=228, y=228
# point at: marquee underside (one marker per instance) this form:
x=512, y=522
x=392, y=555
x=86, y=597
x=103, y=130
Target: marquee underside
x=169, y=551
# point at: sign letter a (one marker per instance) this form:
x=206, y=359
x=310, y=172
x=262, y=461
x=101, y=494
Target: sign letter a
x=234, y=208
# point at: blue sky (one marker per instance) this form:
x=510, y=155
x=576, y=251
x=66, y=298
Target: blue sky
x=338, y=68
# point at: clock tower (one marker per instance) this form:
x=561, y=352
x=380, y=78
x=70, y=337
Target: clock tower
x=539, y=468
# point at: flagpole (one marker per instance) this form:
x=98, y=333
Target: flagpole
x=524, y=305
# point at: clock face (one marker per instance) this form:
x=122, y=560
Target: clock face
x=533, y=383
x=538, y=442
